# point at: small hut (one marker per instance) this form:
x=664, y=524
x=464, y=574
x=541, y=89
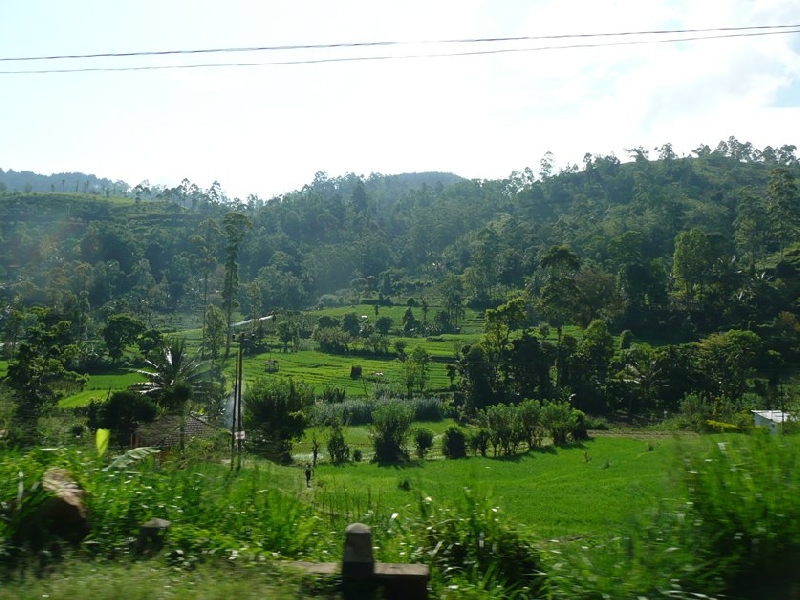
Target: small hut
x=773, y=419
x=165, y=433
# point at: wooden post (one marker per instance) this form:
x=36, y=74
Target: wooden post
x=362, y=577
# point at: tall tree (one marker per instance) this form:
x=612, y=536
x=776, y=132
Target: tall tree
x=558, y=298
x=751, y=226
x=206, y=248
x=276, y=413
x=783, y=203
x=691, y=261
x=235, y=225
x=121, y=331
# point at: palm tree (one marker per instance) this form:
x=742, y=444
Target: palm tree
x=170, y=366
x=172, y=379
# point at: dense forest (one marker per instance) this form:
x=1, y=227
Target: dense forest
x=693, y=258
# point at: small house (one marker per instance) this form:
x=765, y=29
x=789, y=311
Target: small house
x=773, y=419
x=165, y=433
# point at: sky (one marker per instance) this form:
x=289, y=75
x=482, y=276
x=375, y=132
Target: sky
x=267, y=129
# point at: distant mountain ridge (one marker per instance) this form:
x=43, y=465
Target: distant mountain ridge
x=77, y=182
x=28, y=181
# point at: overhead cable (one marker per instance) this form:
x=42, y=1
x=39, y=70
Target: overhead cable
x=718, y=33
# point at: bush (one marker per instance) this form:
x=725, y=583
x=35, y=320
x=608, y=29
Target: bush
x=390, y=426
x=477, y=542
x=275, y=411
x=454, y=443
x=423, y=441
x=338, y=450
x=333, y=395
x=479, y=440
x=560, y=420
x=746, y=511
x=428, y=409
x=122, y=413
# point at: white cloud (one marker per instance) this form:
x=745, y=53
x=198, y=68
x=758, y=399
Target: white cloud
x=268, y=129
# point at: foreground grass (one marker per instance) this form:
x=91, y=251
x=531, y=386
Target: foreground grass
x=146, y=580
x=601, y=519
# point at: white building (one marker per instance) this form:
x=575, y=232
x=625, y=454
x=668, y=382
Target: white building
x=774, y=419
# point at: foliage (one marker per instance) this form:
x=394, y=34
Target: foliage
x=215, y=331
x=423, y=440
x=560, y=420
x=122, y=413
x=338, y=450
x=476, y=540
x=416, y=368
x=172, y=375
x=454, y=443
x=37, y=375
x=276, y=410
x=121, y=331
x=391, y=424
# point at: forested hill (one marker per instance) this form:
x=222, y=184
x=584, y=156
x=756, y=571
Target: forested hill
x=656, y=244
x=28, y=181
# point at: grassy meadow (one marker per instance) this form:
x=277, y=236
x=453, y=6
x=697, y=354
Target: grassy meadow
x=584, y=489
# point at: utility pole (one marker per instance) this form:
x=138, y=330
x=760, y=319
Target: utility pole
x=237, y=433
x=239, y=430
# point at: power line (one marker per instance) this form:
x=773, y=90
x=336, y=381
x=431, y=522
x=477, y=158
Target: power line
x=394, y=43
x=721, y=33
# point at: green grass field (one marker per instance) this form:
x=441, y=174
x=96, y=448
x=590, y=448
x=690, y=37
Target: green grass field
x=101, y=385
x=320, y=369
x=586, y=489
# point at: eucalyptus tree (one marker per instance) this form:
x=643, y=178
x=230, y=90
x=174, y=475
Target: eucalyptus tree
x=235, y=226
x=783, y=204
x=559, y=295
x=206, y=245
x=751, y=226
x=691, y=262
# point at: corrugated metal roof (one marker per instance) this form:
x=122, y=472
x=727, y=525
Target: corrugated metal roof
x=776, y=416
x=165, y=432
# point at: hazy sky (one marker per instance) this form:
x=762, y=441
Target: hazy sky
x=268, y=129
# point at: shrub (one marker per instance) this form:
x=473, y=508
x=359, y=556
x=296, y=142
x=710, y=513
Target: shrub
x=428, y=409
x=559, y=420
x=454, y=443
x=275, y=411
x=423, y=441
x=358, y=455
x=355, y=372
x=338, y=450
x=333, y=395
x=479, y=440
x=579, y=428
x=530, y=422
x=390, y=426
x=746, y=511
x=122, y=413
